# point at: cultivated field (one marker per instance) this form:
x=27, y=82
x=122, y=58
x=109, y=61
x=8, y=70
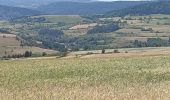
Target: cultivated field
x=121, y=78
x=9, y=41
x=83, y=26
x=9, y=45
x=62, y=18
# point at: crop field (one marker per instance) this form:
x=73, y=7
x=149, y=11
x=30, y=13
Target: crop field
x=9, y=45
x=83, y=26
x=145, y=78
x=62, y=18
x=8, y=41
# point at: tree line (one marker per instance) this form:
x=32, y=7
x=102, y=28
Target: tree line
x=26, y=55
x=152, y=42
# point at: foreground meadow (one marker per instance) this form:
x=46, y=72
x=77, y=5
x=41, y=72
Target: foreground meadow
x=129, y=78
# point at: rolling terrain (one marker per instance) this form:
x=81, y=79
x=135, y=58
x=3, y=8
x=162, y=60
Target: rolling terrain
x=14, y=12
x=155, y=7
x=81, y=8
x=134, y=31
x=121, y=55
x=34, y=3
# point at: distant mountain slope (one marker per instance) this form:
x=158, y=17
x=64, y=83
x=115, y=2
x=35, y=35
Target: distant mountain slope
x=161, y=7
x=33, y=3
x=74, y=8
x=7, y=12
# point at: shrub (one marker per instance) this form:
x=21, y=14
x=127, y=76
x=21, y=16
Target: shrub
x=44, y=54
x=116, y=51
x=28, y=54
x=62, y=54
x=103, y=51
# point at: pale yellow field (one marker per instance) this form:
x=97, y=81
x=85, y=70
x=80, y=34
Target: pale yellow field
x=83, y=26
x=8, y=40
x=112, y=78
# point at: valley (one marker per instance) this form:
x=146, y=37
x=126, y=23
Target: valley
x=84, y=50
x=134, y=31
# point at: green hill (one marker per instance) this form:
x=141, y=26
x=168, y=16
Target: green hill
x=7, y=12
x=82, y=8
x=161, y=7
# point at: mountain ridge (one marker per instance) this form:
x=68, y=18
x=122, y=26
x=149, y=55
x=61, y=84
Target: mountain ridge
x=155, y=7
x=8, y=12
x=77, y=8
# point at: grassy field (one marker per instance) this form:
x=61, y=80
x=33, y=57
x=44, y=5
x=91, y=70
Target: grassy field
x=141, y=78
x=69, y=19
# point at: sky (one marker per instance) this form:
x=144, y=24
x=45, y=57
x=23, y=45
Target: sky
x=121, y=0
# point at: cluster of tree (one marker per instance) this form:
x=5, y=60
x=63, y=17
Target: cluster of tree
x=46, y=38
x=26, y=54
x=50, y=33
x=50, y=38
x=104, y=28
x=54, y=46
x=157, y=42
x=3, y=30
x=88, y=42
x=152, y=42
x=28, y=19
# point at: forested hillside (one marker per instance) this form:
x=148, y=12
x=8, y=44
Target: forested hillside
x=33, y=3
x=76, y=8
x=7, y=12
x=160, y=7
